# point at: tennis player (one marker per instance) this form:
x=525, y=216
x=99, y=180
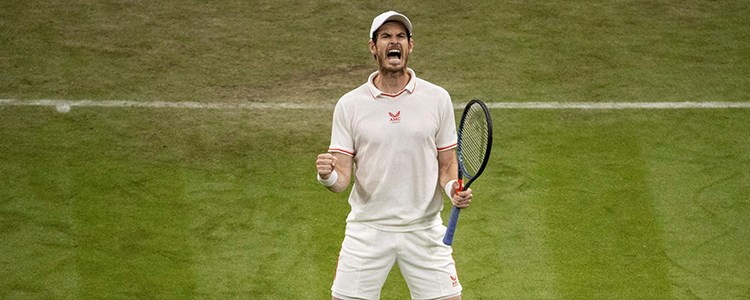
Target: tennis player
x=395, y=136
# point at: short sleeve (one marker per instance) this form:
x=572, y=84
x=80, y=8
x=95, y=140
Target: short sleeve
x=342, y=140
x=447, y=138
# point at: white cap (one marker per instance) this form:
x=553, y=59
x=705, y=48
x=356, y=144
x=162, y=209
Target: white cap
x=389, y=16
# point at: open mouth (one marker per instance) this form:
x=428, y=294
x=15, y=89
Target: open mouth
x=394, y=54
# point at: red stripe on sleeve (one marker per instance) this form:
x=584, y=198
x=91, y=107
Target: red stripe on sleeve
x=448, y=147
x=341, y=151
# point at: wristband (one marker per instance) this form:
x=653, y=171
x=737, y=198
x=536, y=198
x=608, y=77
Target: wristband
x=331, y=179
x=449, y=187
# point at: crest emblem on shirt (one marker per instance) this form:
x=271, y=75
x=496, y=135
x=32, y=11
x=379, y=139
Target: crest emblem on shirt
x=395, y=117
x=454, y=280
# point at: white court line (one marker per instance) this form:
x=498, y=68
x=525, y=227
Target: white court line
x=616, y=105
x=160, y=104
x=260, y=106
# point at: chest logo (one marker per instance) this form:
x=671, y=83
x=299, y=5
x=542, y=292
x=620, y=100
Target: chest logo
x=395, y=117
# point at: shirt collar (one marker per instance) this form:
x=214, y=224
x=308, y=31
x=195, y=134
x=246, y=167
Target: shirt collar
x=410, y=86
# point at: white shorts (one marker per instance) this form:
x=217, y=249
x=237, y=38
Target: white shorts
x=367, y=256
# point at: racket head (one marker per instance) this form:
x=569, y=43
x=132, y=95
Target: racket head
x=474, y=141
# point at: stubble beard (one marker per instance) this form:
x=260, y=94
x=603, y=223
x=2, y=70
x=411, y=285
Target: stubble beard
x=388, y=69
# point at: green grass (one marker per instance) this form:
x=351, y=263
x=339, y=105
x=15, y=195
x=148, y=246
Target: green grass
x=185, y=203
x=181, y=208
x=302, y=51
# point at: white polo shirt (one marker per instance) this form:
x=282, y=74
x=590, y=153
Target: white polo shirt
x=394, y=140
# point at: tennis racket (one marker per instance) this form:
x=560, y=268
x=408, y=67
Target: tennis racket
x=474, y=145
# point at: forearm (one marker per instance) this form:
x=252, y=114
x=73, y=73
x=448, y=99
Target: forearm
x=336, y=180
x=341, y=182
x=448, y=167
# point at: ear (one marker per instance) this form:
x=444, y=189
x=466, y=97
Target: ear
x=411, y=45
x=373, y=50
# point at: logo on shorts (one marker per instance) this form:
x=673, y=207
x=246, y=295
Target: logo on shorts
x=395, y=118
x=454, y=279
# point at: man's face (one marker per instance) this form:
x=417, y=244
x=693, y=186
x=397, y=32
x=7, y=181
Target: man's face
x=392, y=47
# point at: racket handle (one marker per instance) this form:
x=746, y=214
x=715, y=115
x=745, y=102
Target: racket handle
x=451, y=230
x=453, y=220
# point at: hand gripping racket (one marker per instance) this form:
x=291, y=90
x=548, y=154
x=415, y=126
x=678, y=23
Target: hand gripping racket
x=474, y=145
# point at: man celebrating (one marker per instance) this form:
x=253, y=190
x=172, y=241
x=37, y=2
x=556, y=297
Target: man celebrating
x=396, y=134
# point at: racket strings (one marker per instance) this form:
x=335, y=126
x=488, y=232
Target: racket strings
x=474, y=139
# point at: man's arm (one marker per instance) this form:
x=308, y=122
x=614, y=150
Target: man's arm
x=448, y=169
x=328, y=163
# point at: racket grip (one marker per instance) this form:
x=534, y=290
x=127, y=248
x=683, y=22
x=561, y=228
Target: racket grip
x=451, y=230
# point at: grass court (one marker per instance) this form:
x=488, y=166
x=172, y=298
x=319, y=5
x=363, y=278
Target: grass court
x=155, y=202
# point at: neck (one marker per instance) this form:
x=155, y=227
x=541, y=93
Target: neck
x=392, y=82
